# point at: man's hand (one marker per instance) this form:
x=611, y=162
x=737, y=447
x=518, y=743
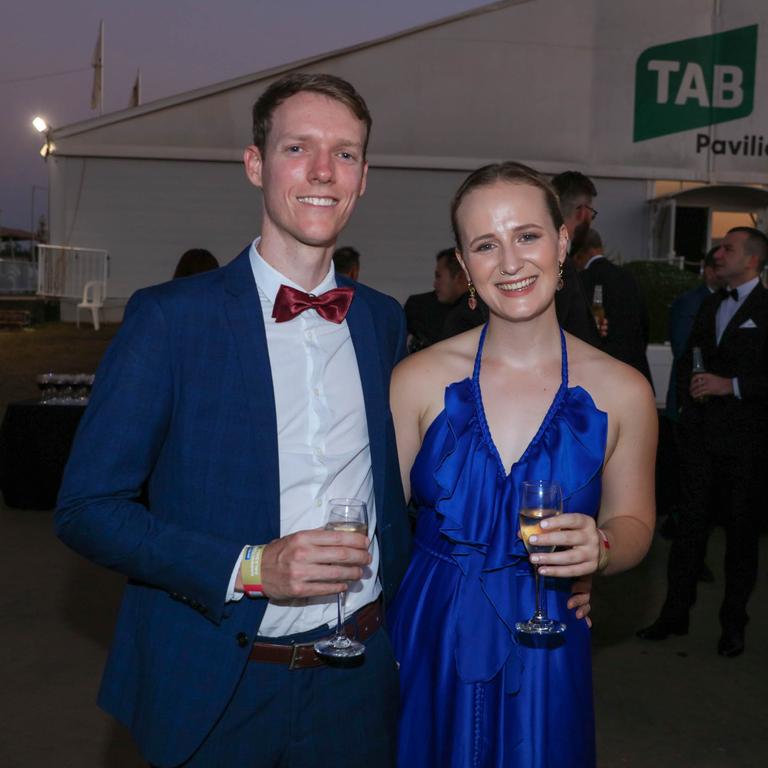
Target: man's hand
x=709, y=385
x=310, y=563
x=578, y=535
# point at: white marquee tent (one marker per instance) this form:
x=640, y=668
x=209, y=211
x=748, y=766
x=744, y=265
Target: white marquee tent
x=647, y=98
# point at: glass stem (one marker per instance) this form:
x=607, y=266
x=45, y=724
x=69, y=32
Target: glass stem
x=538, y=615
x=340, y=615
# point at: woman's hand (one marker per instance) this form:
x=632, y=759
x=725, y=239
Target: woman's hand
x=578, y=535
x=581, y=593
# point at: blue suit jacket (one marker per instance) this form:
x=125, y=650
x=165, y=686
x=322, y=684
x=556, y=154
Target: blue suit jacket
x=183, y=402
x=682, y=313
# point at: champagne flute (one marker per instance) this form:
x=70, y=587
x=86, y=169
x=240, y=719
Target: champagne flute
x=45, y=381
x=539, y=499
x=343, y=515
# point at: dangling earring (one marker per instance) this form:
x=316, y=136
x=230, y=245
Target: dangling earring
x=472, y=301
x=560, y=281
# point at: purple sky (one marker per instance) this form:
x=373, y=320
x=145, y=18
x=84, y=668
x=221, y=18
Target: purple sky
x=178, y=44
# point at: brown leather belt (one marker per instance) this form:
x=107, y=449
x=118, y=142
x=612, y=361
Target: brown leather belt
x=302, y=655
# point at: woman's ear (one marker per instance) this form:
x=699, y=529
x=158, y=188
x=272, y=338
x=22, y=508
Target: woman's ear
x=463, y=265
x=562, y=244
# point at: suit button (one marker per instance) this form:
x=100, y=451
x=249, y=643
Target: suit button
x=242, y=639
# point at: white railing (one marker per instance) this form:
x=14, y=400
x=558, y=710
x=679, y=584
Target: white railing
x=17, y=276
x=63, y=271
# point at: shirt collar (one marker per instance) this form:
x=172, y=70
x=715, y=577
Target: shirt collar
x=746, y=288
x=593, y=259
x=269, y=280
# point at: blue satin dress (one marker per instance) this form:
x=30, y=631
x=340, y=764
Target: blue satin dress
x=474, y=692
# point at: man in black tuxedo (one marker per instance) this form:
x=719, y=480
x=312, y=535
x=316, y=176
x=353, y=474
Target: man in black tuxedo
x=575, y=192
x=627, y=335
x=445, y=311
x=724, y=430
x=346, y=261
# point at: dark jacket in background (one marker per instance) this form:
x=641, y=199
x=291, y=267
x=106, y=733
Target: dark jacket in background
x=429, y=321
x=424, y=316
x=573, y=310
x=682, y=314
x=625, y=310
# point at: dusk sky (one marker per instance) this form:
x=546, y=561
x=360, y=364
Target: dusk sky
x=46, y=48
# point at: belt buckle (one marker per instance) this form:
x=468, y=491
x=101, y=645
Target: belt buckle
x=295, y=650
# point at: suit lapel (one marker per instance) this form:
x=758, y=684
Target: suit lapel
x=363, y=333
x=243, y=309
x=742, y=314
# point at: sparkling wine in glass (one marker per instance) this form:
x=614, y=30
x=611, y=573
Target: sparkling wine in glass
x=343, y=515
x=539, y=499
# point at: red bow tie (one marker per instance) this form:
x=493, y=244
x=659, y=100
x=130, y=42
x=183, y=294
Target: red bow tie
x=332, y=305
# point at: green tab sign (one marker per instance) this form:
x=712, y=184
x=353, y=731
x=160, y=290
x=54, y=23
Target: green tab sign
x=694, y=83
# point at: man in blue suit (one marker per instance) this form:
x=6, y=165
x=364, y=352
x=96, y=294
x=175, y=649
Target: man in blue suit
x=243, y=400
x=682, y=313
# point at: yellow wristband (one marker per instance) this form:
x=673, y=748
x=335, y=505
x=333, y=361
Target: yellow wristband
x=250, y=570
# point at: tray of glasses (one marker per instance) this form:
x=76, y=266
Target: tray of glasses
x=65, y=388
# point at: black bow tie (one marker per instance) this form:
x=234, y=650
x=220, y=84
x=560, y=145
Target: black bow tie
x=725, y=294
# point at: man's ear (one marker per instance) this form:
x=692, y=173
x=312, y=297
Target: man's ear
x=253, y=165
x=364, y=181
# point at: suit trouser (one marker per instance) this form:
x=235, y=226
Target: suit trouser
x=735, y=480
x=310, y=718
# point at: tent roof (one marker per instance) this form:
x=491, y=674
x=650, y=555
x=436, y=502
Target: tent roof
x=551, y=83
x=720, y=196
x=9, y=233
x=185, y=97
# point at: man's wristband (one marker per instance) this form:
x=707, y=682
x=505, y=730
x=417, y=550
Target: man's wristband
x=605, y=545
x=250, y=570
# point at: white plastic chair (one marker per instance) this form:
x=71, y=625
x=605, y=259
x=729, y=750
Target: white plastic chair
x=93, y=298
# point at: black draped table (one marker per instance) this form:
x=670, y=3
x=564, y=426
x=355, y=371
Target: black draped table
x=35, y=441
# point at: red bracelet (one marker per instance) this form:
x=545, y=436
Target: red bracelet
x=602, y=562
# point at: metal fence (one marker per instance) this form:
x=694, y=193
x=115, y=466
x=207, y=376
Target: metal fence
x=63, y=271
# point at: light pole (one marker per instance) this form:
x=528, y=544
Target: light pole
x=41, y=126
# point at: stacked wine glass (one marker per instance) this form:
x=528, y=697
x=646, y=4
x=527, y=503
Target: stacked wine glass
x=65, y=388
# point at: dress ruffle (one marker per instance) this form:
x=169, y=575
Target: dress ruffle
x=477, y=504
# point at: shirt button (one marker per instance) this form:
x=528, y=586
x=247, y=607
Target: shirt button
x=316, y=390
x=318, y=451
x=318, y=502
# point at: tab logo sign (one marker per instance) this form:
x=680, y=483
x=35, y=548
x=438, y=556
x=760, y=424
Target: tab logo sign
x=695, y=83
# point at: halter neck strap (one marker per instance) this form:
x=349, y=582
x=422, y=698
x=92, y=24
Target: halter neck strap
x=563, y=357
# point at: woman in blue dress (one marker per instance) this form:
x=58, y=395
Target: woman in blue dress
x=475, y=416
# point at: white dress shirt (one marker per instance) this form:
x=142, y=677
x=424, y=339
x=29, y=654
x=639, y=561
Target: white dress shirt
x=728, y=307
x=322, y=439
